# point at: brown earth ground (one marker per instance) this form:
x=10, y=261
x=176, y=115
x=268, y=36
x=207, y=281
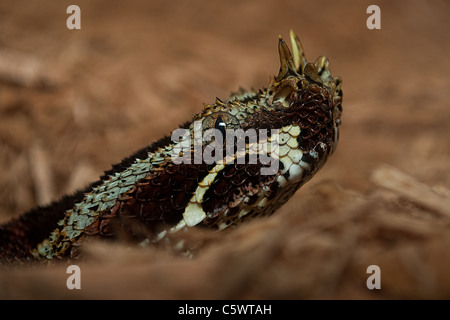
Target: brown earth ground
x=74, y=102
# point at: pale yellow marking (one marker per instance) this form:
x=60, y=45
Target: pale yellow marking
x=179, y=226
x=284, y=137
x=287, y=162
x=292, y=143
x=194, y=214
x=295, y=155
x=283, y=150
x=222, y=226
x=287, y=128
x=207, y=181
x=294, y=131
x=295, y=171
x=281, y=181
x=262, y=203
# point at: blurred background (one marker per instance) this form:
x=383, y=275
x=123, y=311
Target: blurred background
x=73, y=102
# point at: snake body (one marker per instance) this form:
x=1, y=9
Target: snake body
x=152, y=193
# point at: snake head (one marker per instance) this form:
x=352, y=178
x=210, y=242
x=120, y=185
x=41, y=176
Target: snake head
x=307, y=93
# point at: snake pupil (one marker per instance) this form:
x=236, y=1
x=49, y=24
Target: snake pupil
x=221, y=126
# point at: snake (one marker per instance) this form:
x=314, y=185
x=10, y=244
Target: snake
x=237, y=159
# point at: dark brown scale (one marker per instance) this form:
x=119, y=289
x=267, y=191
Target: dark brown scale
x=239, y=178
x=105, y=229
x=252, y=199
x=311, y=109
x=233, y=212
x=273, y=190
x=245, y=179
x=14, y=243
x=221, y=187
x=315, y=116
x=178, y=199
x=156, y=202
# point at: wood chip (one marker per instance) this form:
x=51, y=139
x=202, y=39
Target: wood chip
x=42, y=175
x=406, y=186
x=24, y=70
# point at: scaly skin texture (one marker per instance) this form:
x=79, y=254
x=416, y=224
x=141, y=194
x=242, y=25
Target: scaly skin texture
x=150, y=195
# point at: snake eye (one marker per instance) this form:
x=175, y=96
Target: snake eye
x=220, y=125
x=220, y=121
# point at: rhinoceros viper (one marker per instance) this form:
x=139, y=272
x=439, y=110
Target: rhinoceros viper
x=200, y=177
